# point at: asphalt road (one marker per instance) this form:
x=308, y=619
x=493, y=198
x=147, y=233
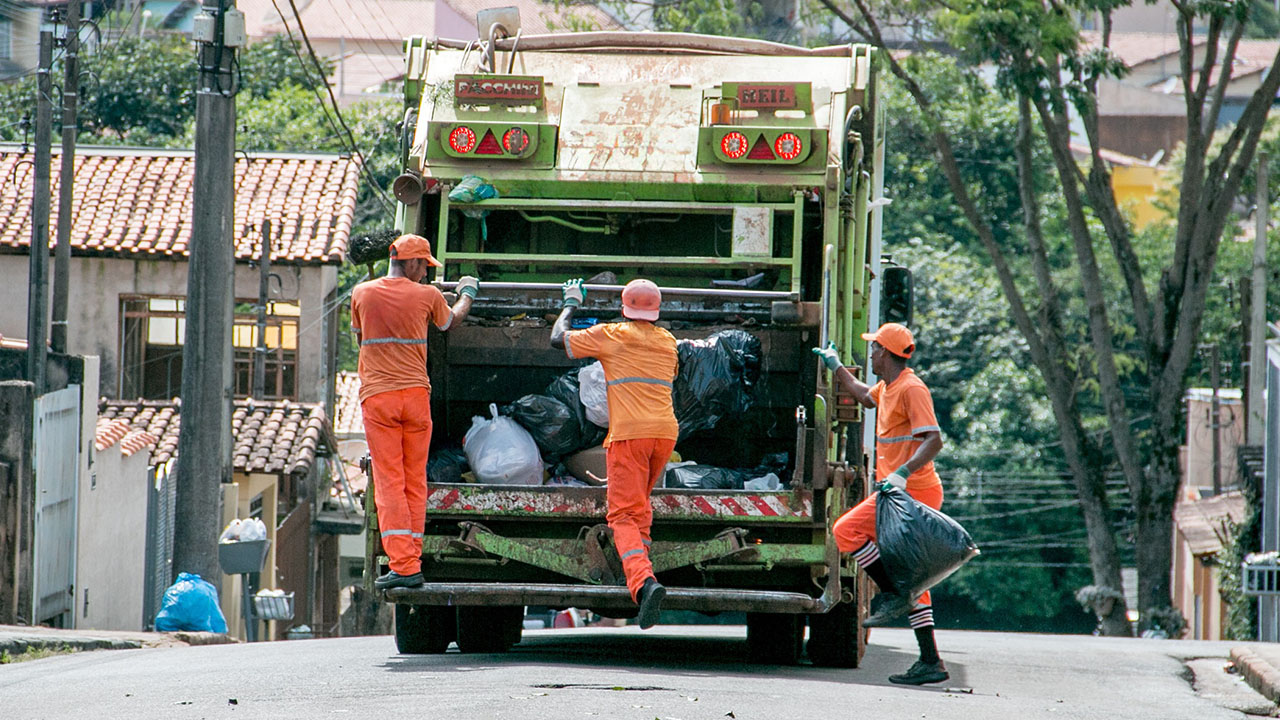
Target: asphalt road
x=682, y=672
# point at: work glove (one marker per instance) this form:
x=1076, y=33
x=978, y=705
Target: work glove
x=897, y=478
x=468, y=286
x=574, y=292
x=830, y=356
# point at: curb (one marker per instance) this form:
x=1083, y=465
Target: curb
x=1260, y=674
x=17, y=643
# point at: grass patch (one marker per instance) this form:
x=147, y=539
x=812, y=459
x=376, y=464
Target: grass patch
x=35, y=653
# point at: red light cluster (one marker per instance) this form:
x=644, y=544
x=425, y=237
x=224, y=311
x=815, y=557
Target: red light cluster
x=464, y=142
x=735, y=146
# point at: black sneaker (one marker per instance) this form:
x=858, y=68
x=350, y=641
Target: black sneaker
x=922, y=673
x=650, y=600
x=885, y=608
x=394, y=579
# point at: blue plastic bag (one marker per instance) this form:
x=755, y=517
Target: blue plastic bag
x=190, y=603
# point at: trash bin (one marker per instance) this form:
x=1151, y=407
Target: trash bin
x=238, y=558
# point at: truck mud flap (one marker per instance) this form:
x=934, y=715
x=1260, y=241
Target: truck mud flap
x=599, y=597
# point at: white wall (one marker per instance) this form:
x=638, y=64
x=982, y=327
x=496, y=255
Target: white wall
x=111, y=554
x=97, y=284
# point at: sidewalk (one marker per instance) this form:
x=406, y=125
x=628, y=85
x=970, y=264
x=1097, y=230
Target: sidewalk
x=18, y=639
x=1259, y=664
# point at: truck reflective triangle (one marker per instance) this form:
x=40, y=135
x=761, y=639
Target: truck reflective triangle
x=759, y=151
x=489, y=145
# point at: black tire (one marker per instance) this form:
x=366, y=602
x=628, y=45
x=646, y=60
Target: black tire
x=775, y=638
x=488, y=629
x=835, y=637
x=425, y=629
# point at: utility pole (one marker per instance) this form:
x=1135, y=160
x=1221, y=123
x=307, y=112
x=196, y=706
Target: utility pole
x=264, y=289
x=66, y=178
x=1215, y=423
x=38, y=272
x=204, y=438
x=1255, y=410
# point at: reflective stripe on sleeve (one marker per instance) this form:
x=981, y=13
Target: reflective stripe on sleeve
x=389, y=533
x=925, y=429
x=899, y=439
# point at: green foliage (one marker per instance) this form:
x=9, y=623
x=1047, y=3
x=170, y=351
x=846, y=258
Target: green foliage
x=272, y=64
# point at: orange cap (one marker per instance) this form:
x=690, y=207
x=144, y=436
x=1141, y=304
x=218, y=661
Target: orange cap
x=408, y=247
x=893, y=337
x=641, y=300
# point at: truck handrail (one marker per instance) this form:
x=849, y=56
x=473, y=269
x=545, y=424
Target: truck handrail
x=656, y=41
x=781, y=295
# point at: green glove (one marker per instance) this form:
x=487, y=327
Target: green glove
x=468, y=286
x=574, y=292
x=830, y=356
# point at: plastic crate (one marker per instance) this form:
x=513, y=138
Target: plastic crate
x=273, y=607
x=238, y=558
x=1260, y=578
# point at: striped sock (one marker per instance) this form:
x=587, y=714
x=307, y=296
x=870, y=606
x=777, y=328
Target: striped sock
x=867, y=554
x=921, y=620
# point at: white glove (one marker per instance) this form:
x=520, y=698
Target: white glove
x=574, y=292
x=898, y=478
x=468, y=286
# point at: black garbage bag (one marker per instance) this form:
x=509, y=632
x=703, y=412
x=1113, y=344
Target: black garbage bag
x=717, y=378
x=919, y=546
x=566, y=389
x=446, y=465
x=704, y=477
x=553, y=425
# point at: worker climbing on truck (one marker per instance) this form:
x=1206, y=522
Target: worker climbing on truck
x=389, y=316
x=908, y=438
x=640, y=365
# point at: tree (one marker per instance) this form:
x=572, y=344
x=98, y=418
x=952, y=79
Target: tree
x=1138, y=352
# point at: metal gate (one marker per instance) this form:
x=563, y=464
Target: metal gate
x=57, y=458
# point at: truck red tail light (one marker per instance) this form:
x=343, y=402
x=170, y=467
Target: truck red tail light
x=788, y=146
x=515, y=141
x=462, y=139
x=488, y=145
x=734, y=145
x=760, y=151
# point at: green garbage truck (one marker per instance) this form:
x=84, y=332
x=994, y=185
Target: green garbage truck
x=745, y=178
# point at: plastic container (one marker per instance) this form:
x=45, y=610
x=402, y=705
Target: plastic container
x=273, y=607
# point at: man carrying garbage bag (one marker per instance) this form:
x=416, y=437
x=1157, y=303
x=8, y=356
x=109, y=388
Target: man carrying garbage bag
x=640, y=365
x=907, y=440
x=389, y=316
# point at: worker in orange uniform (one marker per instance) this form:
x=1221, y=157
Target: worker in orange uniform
x=389, y=316
x=908, y=438
x=640, y=364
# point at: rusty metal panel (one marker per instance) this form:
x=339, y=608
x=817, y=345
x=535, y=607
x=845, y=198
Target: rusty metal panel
x=637, y=127
x=590, y=502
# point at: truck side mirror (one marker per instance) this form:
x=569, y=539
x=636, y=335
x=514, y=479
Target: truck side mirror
x=896, y=293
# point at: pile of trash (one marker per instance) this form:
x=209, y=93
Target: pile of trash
x=562, y=428
x=247, y=530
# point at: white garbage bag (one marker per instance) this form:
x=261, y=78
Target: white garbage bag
x=501, y=452
x=592, y=391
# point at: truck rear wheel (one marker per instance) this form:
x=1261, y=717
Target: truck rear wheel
x=835, y=637
x=425, y=629
x=775, y=638
x=489, y=629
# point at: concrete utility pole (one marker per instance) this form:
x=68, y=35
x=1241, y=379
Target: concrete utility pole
x=204, y=439
x=1215, y=423
x=1255, y=409
x=66, y=178
x=38, y=273
x=264, y=290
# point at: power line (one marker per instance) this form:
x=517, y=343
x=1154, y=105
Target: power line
x=364, y=166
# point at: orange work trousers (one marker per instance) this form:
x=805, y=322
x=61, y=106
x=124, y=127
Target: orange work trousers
x=397, y=427
x=858, y=524
x=634, y=468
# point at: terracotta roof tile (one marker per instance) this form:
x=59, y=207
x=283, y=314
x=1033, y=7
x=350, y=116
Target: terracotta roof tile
x=537, y=17
x=137, y=202
x=274, y=437
x=1204, y=522
x=347, y=420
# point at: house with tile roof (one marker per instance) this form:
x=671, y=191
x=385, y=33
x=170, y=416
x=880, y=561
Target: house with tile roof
x=457, y=18
x=130, y=250
x=283, y=455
